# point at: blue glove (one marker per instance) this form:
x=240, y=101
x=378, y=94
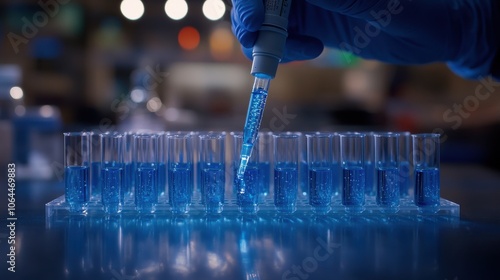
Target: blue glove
x=463, y=33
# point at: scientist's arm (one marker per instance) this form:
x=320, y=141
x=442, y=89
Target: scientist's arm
x=463, y=33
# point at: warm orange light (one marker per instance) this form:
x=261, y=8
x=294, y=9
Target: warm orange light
x=189, y=38
x=221, y=43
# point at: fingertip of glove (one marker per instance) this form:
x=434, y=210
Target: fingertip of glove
x=250, y=14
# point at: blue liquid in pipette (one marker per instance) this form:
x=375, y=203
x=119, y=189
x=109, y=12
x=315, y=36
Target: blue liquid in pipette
x=112, y=188
x=248, y=200
x=405, y=178
x=128, y=189
x=370, y=184
x=388, y=187
x=285, y=187
x=264, y=177
x=427, y=187
x=95, y=177
x=146, y=194
x=77, y=187
x=353, y=189
x=213, y=181
x=180, y=181
x=304, y=178
x=251, y=130
x=162, y=179
x=320, y=188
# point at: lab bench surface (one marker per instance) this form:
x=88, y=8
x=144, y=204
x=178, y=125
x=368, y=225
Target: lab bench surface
x=260, y=247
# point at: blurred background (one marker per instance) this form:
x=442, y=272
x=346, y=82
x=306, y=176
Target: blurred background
x=68, y=65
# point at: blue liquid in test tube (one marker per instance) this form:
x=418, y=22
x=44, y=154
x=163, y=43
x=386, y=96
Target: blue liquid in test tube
x=304, y=178
x=388, y=186
x=180, y=186
x=77, y=187
x=427, y=187
x=405, y=178
x=426, y=160
x=112, y=195
x=162, y=179
x=96, y=181
x=353, y=172
x=285, y=187
x=77, y=171
x=265, y=177
x=145, y=190
x=128, y=189
x=320, y=188
x=353, y=192
x=212, y=186
x=248, y=201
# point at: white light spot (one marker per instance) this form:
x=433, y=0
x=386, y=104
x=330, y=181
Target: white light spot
x=16, y=93
x=154, y=104
x=138, y=95
x=176, y=9
x=132, y=9
x=214, y=9
x=46, y=111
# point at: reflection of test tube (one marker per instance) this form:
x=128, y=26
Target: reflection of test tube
x=319, y=159
x=113, y=174
x=76, y=170
x=369, y=165
x=146, y=158
x=128, y=161
x=286, y=171
x=95, y=166
x=387, y=167
x=213, y=171
x=180, y=171
x=426, y=162
x=405, y=168
x=265, y=150
x=353, y=187
x=162, y=165
x=247, y=201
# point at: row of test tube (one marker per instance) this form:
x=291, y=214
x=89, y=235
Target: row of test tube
x=150, y=169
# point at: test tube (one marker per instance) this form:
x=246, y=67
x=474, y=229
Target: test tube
x=405, y=168
x=426, y=162
x=320, y=165
x=303, y=166
x=128, y=161
x=353, y=172
x=265, y=150
x=248, y=200
x=76, y=171
x=369, y=165
x=387, y=167
x=336, y=165
x=95, y=166
x=162, y=166
x=180, y=171
x=113, y=173
x=213, y=171
x=286, y=172
x=146, y=159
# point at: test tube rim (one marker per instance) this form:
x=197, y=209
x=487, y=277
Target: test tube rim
x=212, y=135
x=426, y=135
x=319, y=135
x=352, y=135
x=80, y=133
x=387, y=135
x=287, y=135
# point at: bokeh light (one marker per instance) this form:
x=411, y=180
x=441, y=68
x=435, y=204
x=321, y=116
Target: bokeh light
x=176, y=9
x=189, y=38
x=132, y=9
x=214, y=9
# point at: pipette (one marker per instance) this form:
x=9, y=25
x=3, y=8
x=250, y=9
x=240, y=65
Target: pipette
x=267, y=53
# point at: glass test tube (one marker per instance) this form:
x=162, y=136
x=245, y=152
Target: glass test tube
x=265, y=150
x=213, y=171
x=405, y=165
x=95, y=166
x=336, y=165
x=180, y=171
x=320, y=165
x=303, y=167
x=286, y=171
x=353, y=172
x=369, y=164
x=387, y=168
x=145, y=160
x=113, y=173
x=162, y=166
x=129, y=165
x=247, y=201
x=426, y=162
x=76, y=170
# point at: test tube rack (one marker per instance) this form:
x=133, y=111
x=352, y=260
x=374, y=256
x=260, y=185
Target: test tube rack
x=59, y=208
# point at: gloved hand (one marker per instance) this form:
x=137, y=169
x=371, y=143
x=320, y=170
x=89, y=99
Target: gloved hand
x=463, y=33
